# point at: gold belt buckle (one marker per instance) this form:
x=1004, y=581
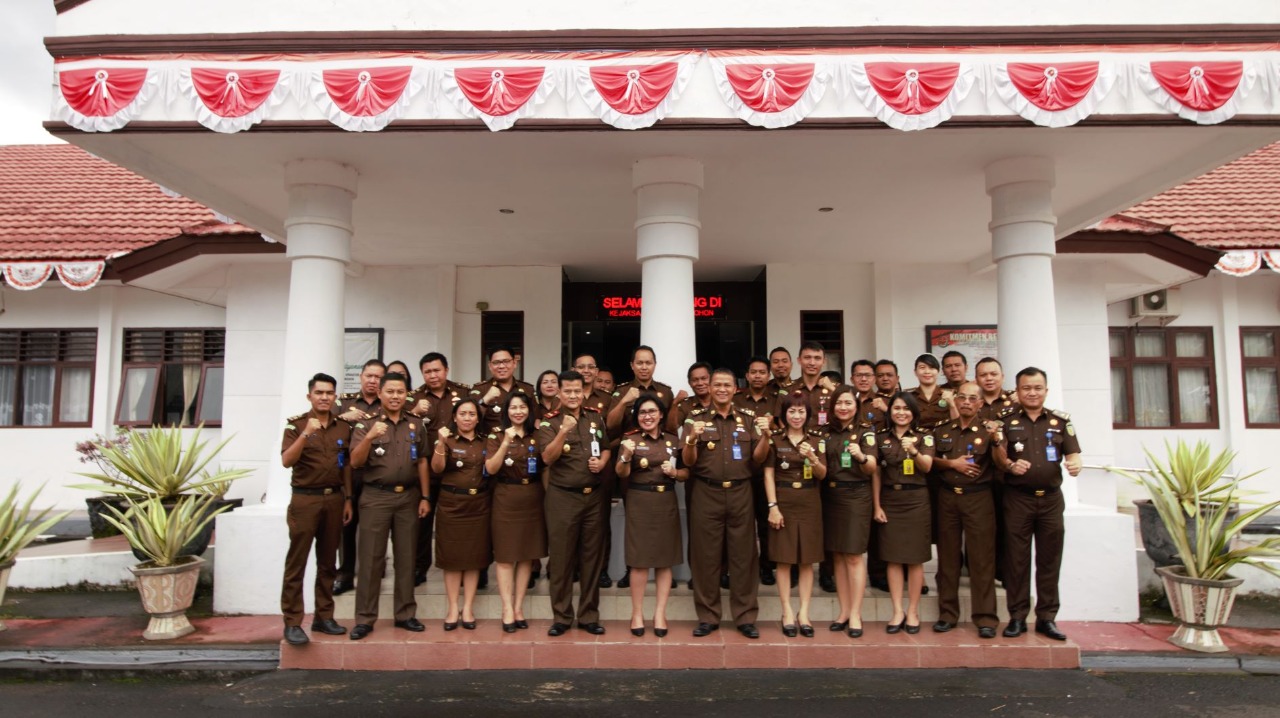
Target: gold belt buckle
x=1040, y=492
x=587, y=490
x=524, y=481
x=832, y=484
x=328, y=491
x=897, y=487
x=726, y=484
x=471, y=492
x=796, y=484
x=958, y=490
x=660, y=489
x=399, y=489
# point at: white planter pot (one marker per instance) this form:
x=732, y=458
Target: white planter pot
x=1200, y=606
x=166, y=595
x=4, y=583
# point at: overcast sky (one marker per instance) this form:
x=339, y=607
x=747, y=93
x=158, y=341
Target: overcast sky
x=26, y=80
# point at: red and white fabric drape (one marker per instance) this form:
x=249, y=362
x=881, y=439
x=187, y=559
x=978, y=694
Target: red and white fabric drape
x=1054, y=94
x=633, y=95
x=770, y=92
x=1205, y=92
x=911, y=95
x=1242, y=263
x=498, y=95
x=102, y=99
x=366, y=99
x=75, y=275
x=233, y=99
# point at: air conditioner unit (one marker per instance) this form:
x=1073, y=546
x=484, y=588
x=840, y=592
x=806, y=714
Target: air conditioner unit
x=1163, y=303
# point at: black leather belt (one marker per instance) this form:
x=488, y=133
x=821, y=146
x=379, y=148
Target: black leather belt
x=578, y=489
x=970, y=489
x=656, y=488
x=722, y=484
x=517, y=482
x=462, y=491
x=326, y=491
x=1033, y=491
x=805, y=484
x=903, y=487
x=393, y=488
x=839, y=484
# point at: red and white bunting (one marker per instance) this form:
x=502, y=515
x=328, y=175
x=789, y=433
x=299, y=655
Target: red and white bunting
x=631, y=96
x=365, y=99
x=498, y=95
x=79, y=276
x=770, y=94
x=102, y=99
x=230, y=99
x=1205, y=92
x=27, y=275
x=911, y=95
x=1240, y=263
x=1273, y=259
x=1054, y=94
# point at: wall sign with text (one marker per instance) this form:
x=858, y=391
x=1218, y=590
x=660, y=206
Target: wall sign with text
x=619, y=307
x=975, y=341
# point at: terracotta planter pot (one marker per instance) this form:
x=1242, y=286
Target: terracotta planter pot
x=4, y=583
x=1200, y=606
x=166, y=595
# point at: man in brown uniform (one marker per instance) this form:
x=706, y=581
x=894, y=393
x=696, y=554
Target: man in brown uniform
x=763, y=402
x=699, y=378
x=393, y=449
x=1032, y=447
x=314, y=446
x=575, y=449
x=433, y=403
x=720, y=444
x=492, y=393
x=815, y=388
x=780, y=368
x=352, y=408
x=997, y=405
x=599, y=400
x=955, y=369
x=966, y=515
x=871, y=406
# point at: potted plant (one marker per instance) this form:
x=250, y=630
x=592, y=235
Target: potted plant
x=1201, y=591
x=159, y=463
x=167, y=577
x=90, y=452
x=18, y=528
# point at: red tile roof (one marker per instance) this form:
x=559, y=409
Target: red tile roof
x=1236, y=206
x=60, y=202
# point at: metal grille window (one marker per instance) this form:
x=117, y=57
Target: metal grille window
x=502, y=329
x=46, y=376
x=827, y=329
x=1261, y=364
x=1163, y=378
x=172, y=377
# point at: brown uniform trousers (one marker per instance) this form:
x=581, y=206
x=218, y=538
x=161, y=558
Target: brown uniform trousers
x=966, y=516
x=766, y=404
x=347, y=547
x=575, y=542
x=384, y=512
x=318, y=520
x=600, y=401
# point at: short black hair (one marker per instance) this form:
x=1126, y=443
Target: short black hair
x=473, y=401
x=812, y=347
x=504, y=421
x=833, y=375
x=887, y=362
x=600, y=369
x=928, y=360
x=775, y=350
x=699, y=365
x=488, y=356
x=724, y=370
x=397, y=361
x=433, y=356
x=988, y=360
x=579, y=355
x=912, y=405
x=372, y=362
x=570, y=375
x=953, y=353
x=862, y=362
x=644, y=348
x=1030, y=371
x=757, y=360
x=394, y=376
x=321, y=377
x=645, y=398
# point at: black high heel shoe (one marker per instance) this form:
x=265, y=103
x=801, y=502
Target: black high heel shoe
x=509, y=627
x=895, y=627
x=450, y=626
x=838, y=625
x=806, y=630
x=471, y=625
x=855, y=632
x=910, y=629
x=660, y=632
x=789, y=630
x=638, y=632
x=521, y=624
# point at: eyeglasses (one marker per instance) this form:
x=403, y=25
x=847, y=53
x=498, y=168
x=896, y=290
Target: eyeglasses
x=502, y=362
x=584, y=366
x=646, y=412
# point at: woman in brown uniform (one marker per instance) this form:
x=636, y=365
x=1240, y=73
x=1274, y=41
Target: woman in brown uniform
x=519, y=525
x=792, y=472
x=650, y=458
x=463, y=542
x=905, y=455
x=848, y=505
x=548, y=387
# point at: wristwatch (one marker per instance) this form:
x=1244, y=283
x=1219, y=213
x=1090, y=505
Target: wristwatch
x=773, y=504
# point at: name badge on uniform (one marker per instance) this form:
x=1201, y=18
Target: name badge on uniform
x=822, y=416
x=379, y=451
x=1050, y=449
x=532, y=464
x=595, y=448
x=808, y=470
x=846, y=459
x=737, y=451
x=413, y=446
x=908, y=467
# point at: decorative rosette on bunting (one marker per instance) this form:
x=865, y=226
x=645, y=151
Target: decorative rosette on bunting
x=365, y=99
x=770, y=94
x=80, y=276
x=1240, y=263
x=102, y=99
x=498, y=95
x=233, y=99
x=1273, y=259
x=1054, y=94
x=911, y=95
x=1205, y=92
x=27, y=275
x=633, y=96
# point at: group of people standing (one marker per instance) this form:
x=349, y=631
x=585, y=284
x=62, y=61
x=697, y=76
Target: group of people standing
x=778, y=475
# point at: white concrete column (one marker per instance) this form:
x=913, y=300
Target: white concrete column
x=1022, y=246
x=667, y=228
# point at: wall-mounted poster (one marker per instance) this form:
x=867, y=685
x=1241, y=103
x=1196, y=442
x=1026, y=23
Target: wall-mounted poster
x=361, y=346
x=975, y=341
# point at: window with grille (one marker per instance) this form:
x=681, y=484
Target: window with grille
x=827, y=329
x=1163, y=378
x=502, y=329
x=46, y=376
x=172, y=377
x=1261, y=364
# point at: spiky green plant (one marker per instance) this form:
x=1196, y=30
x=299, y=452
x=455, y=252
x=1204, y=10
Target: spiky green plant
x=160, y=532
x=18, y=527
x=1194, y=501
x=156, y=463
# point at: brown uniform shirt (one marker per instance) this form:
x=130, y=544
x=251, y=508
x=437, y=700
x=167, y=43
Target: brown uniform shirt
x=838, y=441
x=657, y=388
x=356, y=400
x=491, y=413
x=767, y=404
x=819, y=400
x=318, y=467
x=681, y=411
x=393, y=458
x=893, y=458
x=1030, y=440
x=1000, y=409
x=598, y=401
x=515, y=462
x=716, y=460
x=440, y=407
x=869, y=416
x=463, y=461
x=953, y=440
x=570, y=470
x=932, y=411
x=781, y=387
x=784, y=456
x=650, y=453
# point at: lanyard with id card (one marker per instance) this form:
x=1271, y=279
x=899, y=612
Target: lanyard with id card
x=737, y=448
x=1050, y=449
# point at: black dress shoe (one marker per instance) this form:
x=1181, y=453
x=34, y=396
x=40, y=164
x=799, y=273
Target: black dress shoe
x=827, y=583
x=924, y=590
x=450, y=626
x=1050, y=630
x=660, y=632
x=855, y=632
x=605, y=581
x=638, y=632
x=895, y=627
x=521, y=624
x=295, y=636
x=690, y=584
x=789, y=630
x=1016, y=628
x=750, y=631
x=327, y=626
x=557, y=629
x=724, y=580
x=806, y=630
x=360, y=631
x=704, y=629
x=943, y=626
x=766, y=577
x=593, y=628
x=343, y=585
x=625, y=581
x=411, y=624
x=533, y=582
x=987, y=632
x=910, y=629
x=838, y=625
x=419, y=579
x=508, y=628
x=469, y=625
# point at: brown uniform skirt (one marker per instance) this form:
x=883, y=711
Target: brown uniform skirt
x=653, y=530
x=519, y=523
x=799, y=541
x=846, y=516
x=905, y=538
x=463, y=541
